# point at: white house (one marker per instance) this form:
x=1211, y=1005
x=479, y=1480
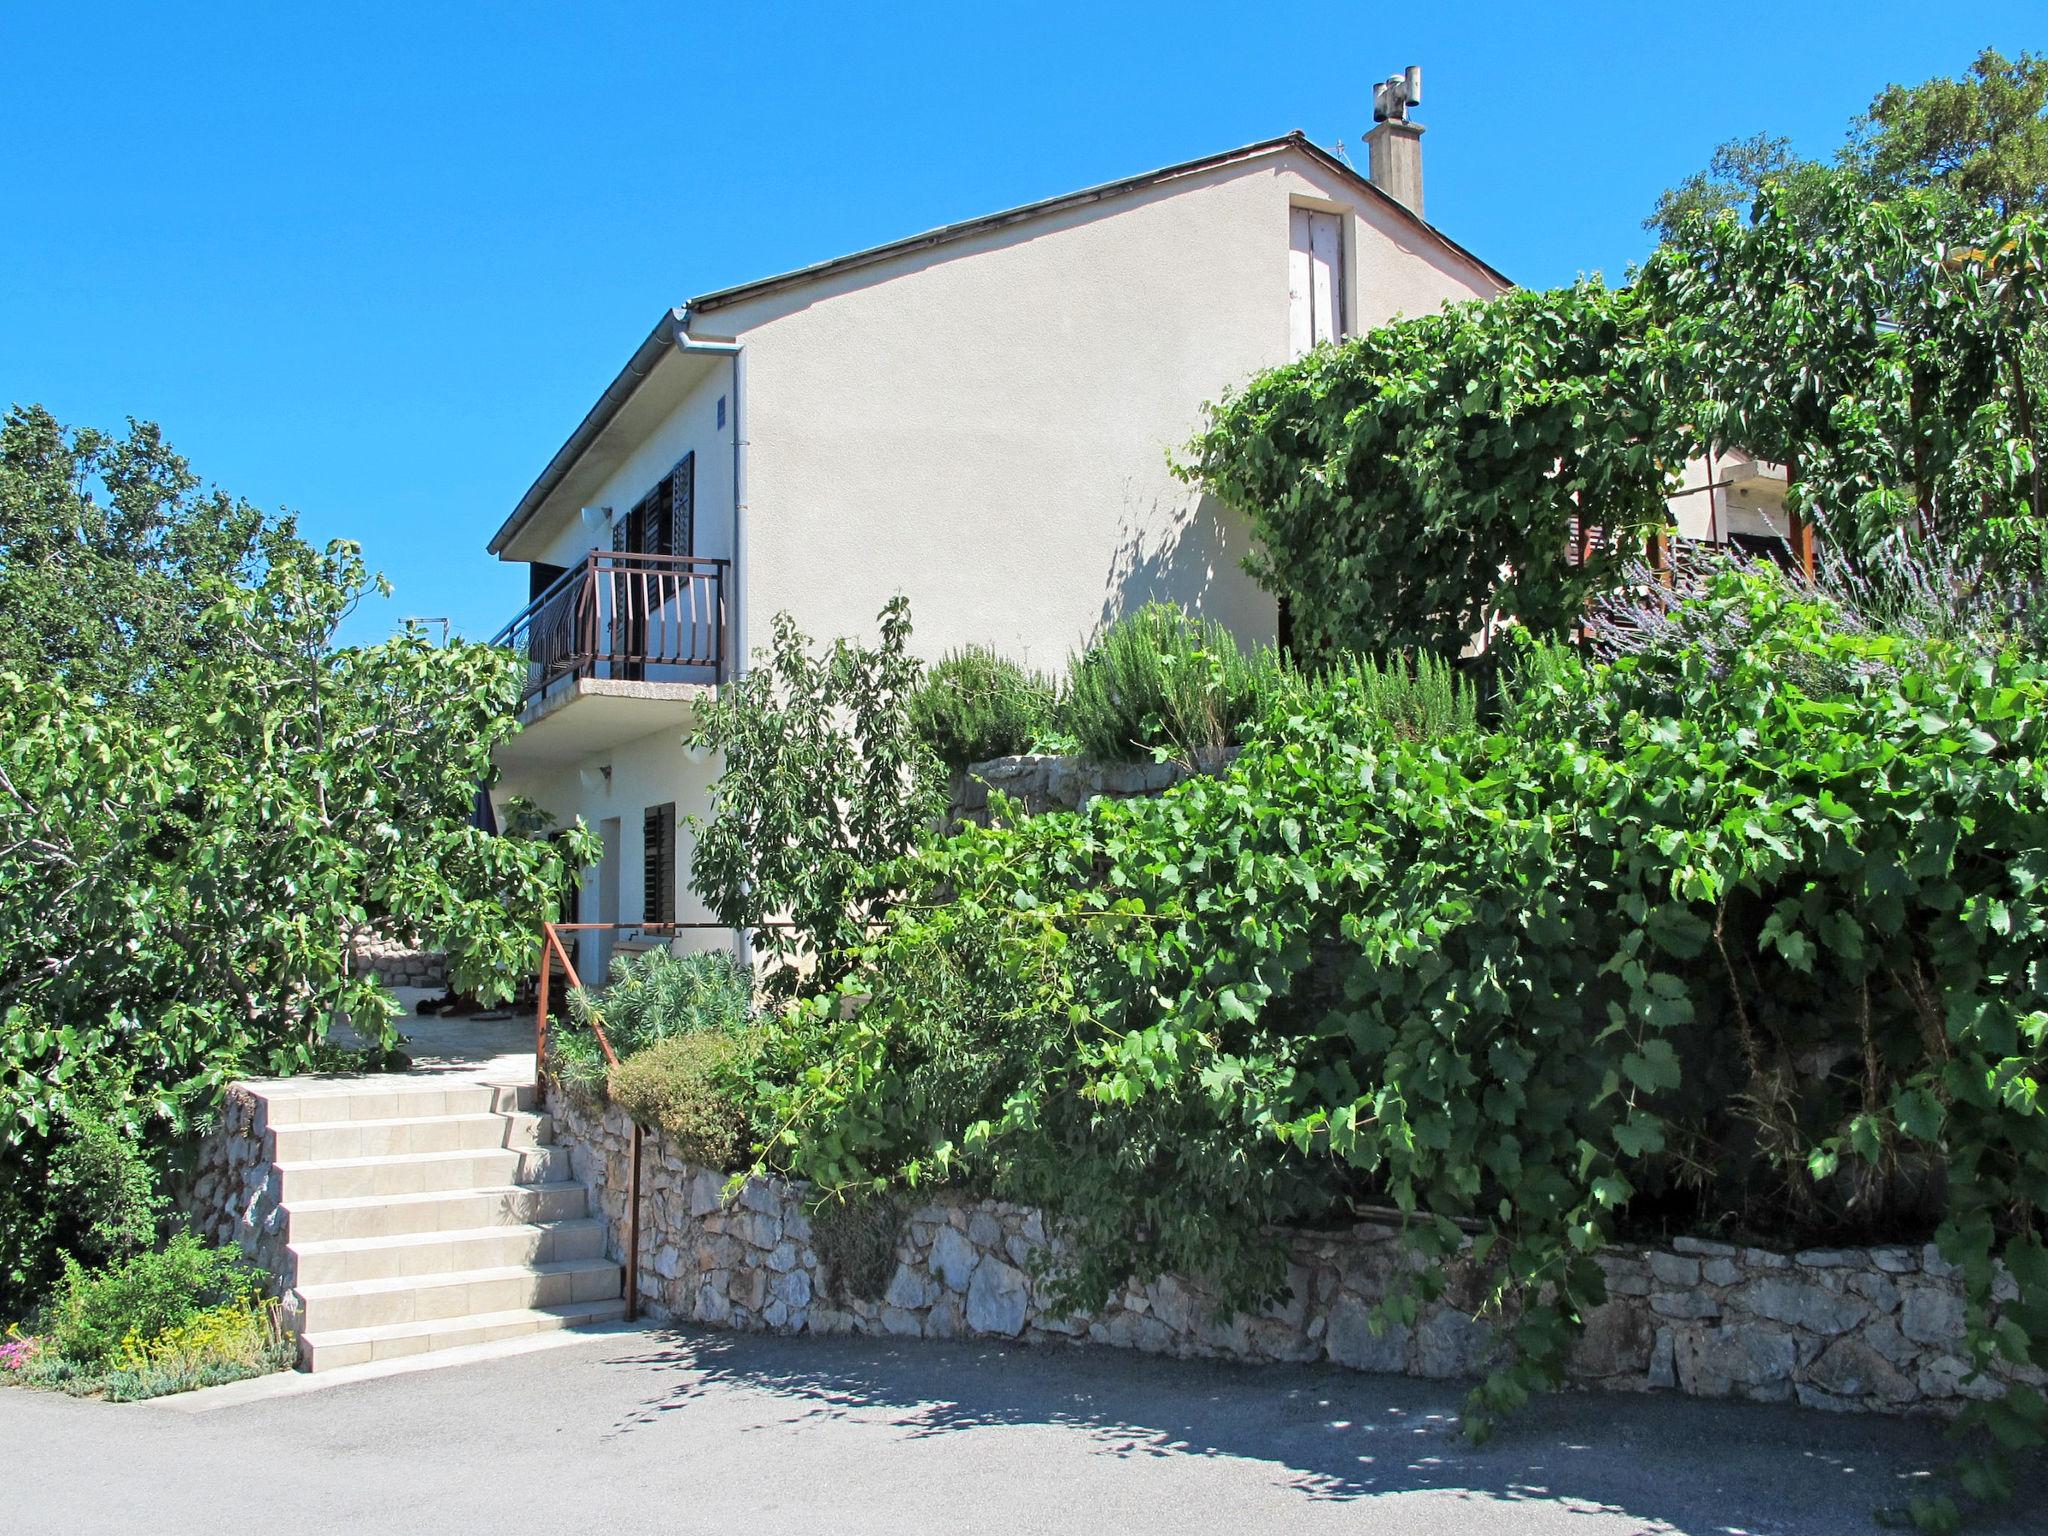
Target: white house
x=978, y=417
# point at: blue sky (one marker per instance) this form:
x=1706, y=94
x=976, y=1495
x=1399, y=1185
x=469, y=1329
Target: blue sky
x=373, y=263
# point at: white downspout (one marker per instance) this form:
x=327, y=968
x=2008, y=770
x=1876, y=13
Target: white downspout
x=738, y=662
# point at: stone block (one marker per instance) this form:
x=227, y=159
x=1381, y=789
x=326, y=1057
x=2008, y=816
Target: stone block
x=1704, y=1248
x=998, y=1297
x=984, y=1231
x=1931, y=1314
x=1735, y=1359
x=953, y=1258
x=1721, y=1272
x=1947, y=1376
x=1850, y=1368
x=713, y=1305
x=1662, y=1370
x=706, y=1190
x=1175, y=1305
x=1449, y=1343
x=1828, y=1258
x=1351, y=1340
x=909, y=1288
x=1801, y=1303
x=1685, y=1304
x=1616, y=1341
x=943, y=1321
x=1671, y=1269
x=794, y=1290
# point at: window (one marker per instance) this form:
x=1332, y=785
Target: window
x=1315, y=279
x=664, y=521
x=658, y=829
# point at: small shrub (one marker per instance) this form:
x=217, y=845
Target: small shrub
x=104, y=1188
x=975, y=705
x=690, y=1087
x=653, y=996
x=855, y=1235
x=1163, y=682
x=94, y=1314
x=578, y=1062
x=1419, y=698
x=224, y=1343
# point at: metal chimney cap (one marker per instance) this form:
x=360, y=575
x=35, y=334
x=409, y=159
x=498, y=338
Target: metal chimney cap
x=1393, y=96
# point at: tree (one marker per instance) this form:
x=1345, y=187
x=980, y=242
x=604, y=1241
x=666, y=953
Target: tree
x=1981, y=141
x=825, y=783
x=1889, y=349
x=1416, y=486
x=109, y=550
x=1735, y=177
x=190, y=840
x=1982, y=138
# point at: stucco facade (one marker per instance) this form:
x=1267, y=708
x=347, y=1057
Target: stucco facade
x=982, y=420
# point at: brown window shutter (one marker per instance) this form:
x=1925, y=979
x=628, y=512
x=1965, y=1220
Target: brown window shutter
x=683, y=503
x=658, y=831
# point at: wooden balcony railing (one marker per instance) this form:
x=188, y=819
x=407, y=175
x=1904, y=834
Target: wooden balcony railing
x=628, y=617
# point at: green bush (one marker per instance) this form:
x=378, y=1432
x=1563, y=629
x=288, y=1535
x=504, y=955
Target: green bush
x=679, y=1025
x=1161, y=682
x=1741, y=931
x=1418, y=698
x=577, y=1062
x=96, y=1198
x=652, y=995
x=93, y=1313
x=692, y=1088
x=975, y=705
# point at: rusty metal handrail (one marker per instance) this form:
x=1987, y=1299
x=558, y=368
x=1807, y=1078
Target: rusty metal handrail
x=552, y=949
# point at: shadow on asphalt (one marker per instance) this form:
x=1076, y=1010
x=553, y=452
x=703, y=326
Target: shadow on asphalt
x=1335, y=1435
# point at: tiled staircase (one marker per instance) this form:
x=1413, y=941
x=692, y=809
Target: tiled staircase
x=427, y=1214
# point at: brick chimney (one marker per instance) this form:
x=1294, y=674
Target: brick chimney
x=1395, y=143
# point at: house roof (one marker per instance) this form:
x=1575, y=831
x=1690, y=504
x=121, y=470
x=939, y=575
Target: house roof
x=672, y=330
x=947, y=233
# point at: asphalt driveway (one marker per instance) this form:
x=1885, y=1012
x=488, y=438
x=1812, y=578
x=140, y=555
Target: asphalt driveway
x=745, y=1435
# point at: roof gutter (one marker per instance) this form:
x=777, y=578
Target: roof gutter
x=670, y=333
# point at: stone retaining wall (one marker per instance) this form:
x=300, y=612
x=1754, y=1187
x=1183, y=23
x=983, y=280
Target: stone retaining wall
x=400, y=962
x=1865, y=1330
x=232, y=1196
x=1041, y=783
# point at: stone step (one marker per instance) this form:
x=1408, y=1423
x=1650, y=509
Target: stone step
x=415, y=1173
x=432, y=1253
x=359, y=1346
x=298, y=1101
x=326, y=1140
x=443, y=1210
x=351, y=1304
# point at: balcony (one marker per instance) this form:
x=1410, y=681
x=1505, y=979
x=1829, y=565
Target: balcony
x=618, y=647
